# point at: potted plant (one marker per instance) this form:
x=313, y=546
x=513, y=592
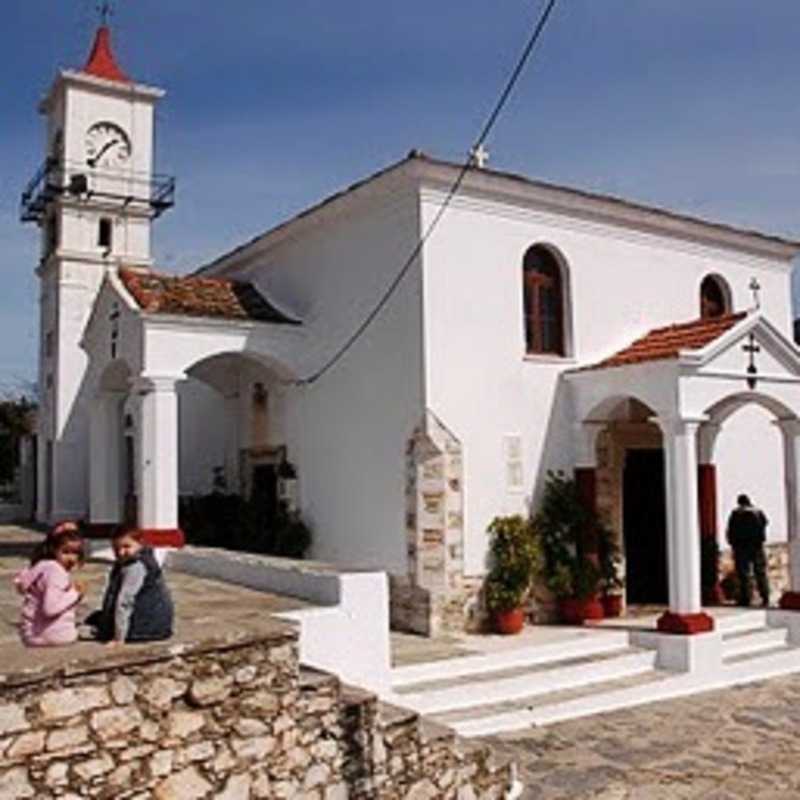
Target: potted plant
x=572, y=572
x=515, y=559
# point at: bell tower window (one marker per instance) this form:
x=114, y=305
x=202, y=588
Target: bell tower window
x=105, y=234
x=715, y=297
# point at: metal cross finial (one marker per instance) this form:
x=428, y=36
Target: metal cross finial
x=106, y=11
x=751, y=348
x=755, y=288
x=479, y=156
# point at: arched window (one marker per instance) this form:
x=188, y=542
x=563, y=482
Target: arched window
x=714, y=297
x=543, y=291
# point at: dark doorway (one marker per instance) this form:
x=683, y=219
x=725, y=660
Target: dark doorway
x=645, y=527
x=265, y=494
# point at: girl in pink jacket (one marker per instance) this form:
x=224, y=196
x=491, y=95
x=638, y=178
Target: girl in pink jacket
x=49, y=593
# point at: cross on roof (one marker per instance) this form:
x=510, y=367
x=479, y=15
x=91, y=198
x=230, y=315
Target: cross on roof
x=755, y=288
x=479, y=156
x=106, y=11
x=751, y=348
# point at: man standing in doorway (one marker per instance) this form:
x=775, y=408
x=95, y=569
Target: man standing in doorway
x=747, y=528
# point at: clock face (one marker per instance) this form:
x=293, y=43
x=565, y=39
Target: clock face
x=107, y=145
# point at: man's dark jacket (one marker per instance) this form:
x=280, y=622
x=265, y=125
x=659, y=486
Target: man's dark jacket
x=747, y=527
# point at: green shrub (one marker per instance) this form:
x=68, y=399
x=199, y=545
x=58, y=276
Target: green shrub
x=564, y=524
x=234, y=523
x=515, y=559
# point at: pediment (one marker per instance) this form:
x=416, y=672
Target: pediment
x=774, y=355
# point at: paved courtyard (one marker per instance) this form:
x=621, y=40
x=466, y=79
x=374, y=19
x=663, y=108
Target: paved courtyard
x=740, y=743
x=733, y=744
x=204, y=608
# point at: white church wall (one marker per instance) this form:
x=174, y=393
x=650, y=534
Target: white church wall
x=202, y=439
x=749, y=458
x=351, y=427
x=479, y=380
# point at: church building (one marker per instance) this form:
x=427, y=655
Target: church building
x=539, y=328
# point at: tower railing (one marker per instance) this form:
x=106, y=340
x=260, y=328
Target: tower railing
x=76, y=181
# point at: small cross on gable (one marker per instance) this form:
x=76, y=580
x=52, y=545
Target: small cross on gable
x=755, y=288
x=751, y=348
x=479, y=156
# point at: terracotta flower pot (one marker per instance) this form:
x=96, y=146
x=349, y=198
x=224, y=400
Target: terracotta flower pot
x=576, y=610
x=509, y=622
x=612, y=605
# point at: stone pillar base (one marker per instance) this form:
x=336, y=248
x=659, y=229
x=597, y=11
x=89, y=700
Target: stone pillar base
x=153, y=537
x=790, y=601
x=685, y=624
x=698, y=654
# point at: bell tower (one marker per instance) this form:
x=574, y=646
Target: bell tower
x=94, y=200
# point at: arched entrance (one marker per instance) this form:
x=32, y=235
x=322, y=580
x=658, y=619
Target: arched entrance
x=694, y=376
x=112, y=449
x=239, y=433
x=630, y=493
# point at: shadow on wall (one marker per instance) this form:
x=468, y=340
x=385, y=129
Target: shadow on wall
x=556, y=453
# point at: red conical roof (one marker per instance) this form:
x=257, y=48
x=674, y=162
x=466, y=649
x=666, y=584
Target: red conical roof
x=102, y=63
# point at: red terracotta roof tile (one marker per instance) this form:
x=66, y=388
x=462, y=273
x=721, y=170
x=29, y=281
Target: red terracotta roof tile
x=667, y=342
x=200, y=297
x=102, y=63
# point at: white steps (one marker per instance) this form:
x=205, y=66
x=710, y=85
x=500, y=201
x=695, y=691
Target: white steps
x=595, y=673
x=752, y=642
x=524, y=683
x=585, y=643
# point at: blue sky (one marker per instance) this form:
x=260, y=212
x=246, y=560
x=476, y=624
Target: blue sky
x=271, y=105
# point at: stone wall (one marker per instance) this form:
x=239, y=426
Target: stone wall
x=233, y=719
x=434, y=595
x=777, y=569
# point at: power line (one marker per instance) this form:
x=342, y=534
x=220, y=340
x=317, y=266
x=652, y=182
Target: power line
x=487, y=129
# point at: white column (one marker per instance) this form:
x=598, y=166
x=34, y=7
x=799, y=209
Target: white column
x=157, y=453
x=105, y=462
x=790, y=430
x=43, y=478
x=683, y=529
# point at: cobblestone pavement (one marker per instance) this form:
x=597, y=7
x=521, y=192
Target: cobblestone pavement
x=736, y=743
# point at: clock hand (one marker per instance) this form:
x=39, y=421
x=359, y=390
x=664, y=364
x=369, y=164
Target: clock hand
x=93, y=161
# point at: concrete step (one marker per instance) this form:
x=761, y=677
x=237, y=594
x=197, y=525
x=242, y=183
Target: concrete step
x=512, y=685
x=752, y=641
x=554, y=707
x=743, y=620
x=649, y=687
x=743, y=658
x=582, y=644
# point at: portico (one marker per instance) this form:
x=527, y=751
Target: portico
x=142, y=345
x=687, y=380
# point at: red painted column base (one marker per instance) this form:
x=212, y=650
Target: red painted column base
x=686, y=624
x=790, y=601
x=173, y=537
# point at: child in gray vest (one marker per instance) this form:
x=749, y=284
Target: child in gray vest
x=137, y=606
